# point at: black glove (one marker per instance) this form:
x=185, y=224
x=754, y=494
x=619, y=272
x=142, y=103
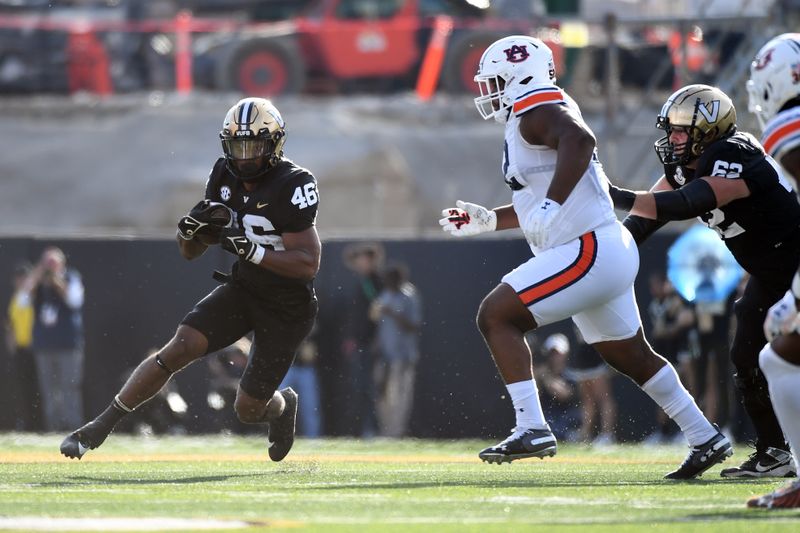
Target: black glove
x=236, y=242
x=206, y=219
x=623, y=198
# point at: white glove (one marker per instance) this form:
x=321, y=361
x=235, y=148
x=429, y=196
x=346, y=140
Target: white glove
x=467, y=219
x=541, y=220
x=782, y=317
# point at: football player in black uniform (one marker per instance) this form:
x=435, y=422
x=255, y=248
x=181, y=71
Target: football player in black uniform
x=262, y=208
x=774, y=90
x=723, y=176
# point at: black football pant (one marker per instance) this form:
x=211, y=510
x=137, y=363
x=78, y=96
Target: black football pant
x=751, y=310
x=231, y=311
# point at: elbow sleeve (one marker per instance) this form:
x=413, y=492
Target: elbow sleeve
x=691, y=200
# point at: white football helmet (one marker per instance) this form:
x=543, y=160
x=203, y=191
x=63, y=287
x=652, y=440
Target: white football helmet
x=509, y=68
x=774, y=76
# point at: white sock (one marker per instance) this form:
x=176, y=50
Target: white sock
x=783, y=379
x=527, y=408
x=669, y=393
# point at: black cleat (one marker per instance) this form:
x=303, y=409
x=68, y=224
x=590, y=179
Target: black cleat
x=84, y=439
x=521, y=444
x=772, y=462
x=281, y=430
x=703, y=457
x=72, y=447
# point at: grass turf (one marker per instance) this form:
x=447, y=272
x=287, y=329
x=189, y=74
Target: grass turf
x=376, y=485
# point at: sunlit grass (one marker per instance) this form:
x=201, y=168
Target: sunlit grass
x=374, y=485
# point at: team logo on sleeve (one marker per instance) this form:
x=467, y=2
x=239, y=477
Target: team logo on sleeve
x=225, y=193
x=517, y=53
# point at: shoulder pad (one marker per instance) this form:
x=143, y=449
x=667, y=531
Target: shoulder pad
x=549, y=94
x=728, y=147
x=782, y=133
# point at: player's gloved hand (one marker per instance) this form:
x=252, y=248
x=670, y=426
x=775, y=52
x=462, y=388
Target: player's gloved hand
x=540, y=222
x=207, y=219
x=188, y=227
x=782, y=317
x=236, y=242
x=467, y=219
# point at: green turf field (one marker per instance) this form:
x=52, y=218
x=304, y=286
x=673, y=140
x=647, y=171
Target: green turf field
x=343, y=485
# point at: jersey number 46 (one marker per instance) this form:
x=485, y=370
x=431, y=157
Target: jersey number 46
x=305, y=196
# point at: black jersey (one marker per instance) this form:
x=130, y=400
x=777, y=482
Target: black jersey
x=755, y=228
x=284, y=201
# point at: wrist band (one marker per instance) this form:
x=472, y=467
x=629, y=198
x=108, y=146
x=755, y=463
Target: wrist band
x=257, y=255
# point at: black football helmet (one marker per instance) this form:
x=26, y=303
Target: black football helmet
x=252, y=138
x=706, y=112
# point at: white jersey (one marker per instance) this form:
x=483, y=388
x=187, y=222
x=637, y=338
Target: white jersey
x=782, y=133
x=528, y=169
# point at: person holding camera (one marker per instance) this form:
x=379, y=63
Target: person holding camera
x=58, y=338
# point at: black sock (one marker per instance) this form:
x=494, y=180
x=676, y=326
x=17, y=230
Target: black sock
x=96, y=431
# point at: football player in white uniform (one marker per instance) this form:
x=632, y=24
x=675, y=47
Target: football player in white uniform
x=584, y=263
x=774, y=90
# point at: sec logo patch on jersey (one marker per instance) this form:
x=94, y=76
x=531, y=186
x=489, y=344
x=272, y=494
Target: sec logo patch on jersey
x=225, y=193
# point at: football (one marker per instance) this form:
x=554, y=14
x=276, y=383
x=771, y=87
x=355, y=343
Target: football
x=207, y=239
x=218, y=216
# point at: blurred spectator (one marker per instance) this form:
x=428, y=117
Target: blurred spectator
x=164, y=414
x=364, y=260
x=58, y=339
x=302, y=377
x=226, y=367
x=597, y=404
x=671, y=322
x=397, y=311
x=557, y=390
x=22, y=367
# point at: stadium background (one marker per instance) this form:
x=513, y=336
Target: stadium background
x=138, y=289
x=106, y=177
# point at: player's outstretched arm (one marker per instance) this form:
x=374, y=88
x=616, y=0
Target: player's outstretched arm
x=466, y=219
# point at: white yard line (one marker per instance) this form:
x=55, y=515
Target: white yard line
x=34, y=523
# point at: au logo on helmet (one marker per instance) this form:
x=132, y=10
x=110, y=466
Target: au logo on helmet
x=517, y=53
x=764, y=60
